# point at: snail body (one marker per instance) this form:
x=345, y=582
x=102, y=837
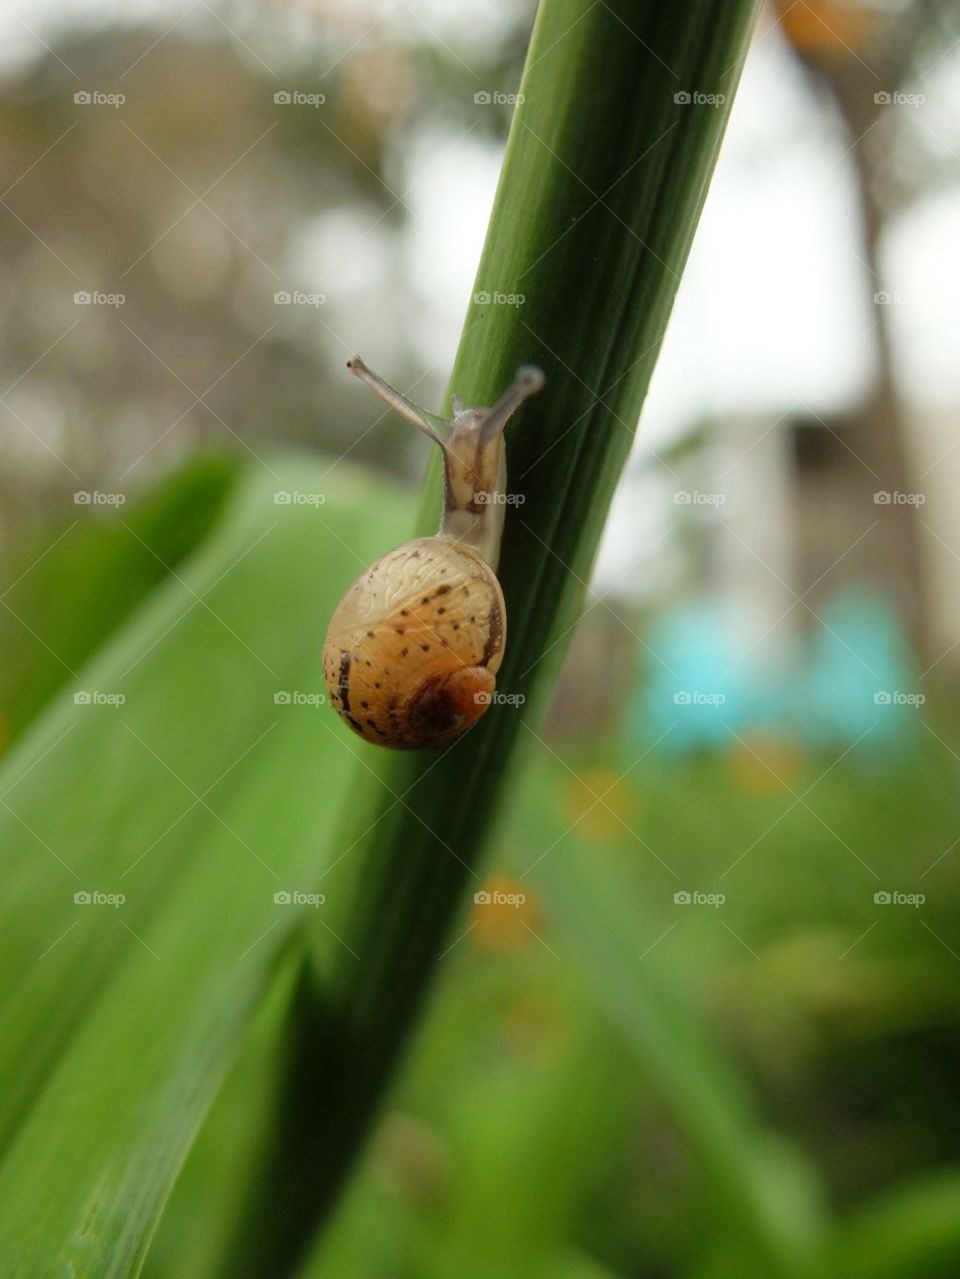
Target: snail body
x=413, y=647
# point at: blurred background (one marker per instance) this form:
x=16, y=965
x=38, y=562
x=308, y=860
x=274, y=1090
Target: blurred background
x=206, y=208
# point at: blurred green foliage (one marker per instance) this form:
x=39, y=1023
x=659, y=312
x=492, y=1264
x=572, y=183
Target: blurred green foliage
x=77, y=584
x=542, y=1126
x=837, y=1017
x=609, y=1082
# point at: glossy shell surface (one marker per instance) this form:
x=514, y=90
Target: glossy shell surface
x=414, y=645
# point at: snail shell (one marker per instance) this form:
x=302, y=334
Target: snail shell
x=413, y=648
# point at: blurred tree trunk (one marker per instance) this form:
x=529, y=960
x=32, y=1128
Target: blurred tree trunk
x=829, y=39
x=882, y=426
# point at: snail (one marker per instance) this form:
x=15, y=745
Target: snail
x=414, y=646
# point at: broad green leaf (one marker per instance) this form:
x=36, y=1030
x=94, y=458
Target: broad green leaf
x=70, y=589
x=197, y=798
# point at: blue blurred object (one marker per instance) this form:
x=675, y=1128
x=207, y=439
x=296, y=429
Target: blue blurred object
x=852, y=672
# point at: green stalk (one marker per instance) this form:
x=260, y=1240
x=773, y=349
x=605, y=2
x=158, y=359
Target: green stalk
x=602, y=185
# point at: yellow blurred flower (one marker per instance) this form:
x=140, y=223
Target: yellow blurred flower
x=505, y=915
x=601, y=804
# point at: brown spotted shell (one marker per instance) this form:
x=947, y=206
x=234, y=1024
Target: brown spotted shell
x=414, y=645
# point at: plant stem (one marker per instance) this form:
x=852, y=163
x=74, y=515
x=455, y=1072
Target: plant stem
x=603, y=182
